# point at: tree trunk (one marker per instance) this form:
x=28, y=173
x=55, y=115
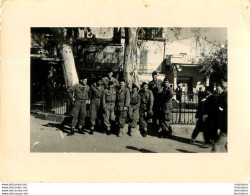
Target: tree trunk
x=69, y=68
x=130, y=57
x=68, y=62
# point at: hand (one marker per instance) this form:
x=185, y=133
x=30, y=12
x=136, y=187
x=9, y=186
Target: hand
x=204, y=117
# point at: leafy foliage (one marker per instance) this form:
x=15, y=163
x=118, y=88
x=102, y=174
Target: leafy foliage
x=214, y=64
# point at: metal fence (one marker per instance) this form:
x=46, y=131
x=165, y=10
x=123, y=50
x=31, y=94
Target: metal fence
x=55, y=100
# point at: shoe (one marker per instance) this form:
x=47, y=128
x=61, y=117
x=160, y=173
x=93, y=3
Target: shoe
x=160, y=134
x=80, y=130
x=119, y=133
x=145, y=133
x=192, y=141
x=108, y=132
x=72, y=132
x=91, y=131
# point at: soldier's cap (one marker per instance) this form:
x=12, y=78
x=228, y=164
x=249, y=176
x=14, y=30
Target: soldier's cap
x=144, y=83
x=135, y=86
x=98, y=79
x=154, y=73
x=110, y=83
x=122, y=80
x=165, y=79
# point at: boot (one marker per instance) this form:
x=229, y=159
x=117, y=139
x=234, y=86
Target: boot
x=132, y=131
x=72, y=132
x=108, y=131
x=119, y=132
x=91, y=131
x=80, y=130
x=145, y=132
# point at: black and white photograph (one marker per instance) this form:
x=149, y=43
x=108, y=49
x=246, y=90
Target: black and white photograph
x=128, y=90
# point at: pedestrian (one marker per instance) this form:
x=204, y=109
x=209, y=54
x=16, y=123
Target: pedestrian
x=178, y=92
x=123, y=103
x=108, y=103
x=210, y=118
x=135, y=101
x=200, y=94
x=220, y=144
x=146, y=108
x=200, y=124
x=109, y=78
x=95, y=95
x=165, y=98
x=79, y=95
x=155, y=86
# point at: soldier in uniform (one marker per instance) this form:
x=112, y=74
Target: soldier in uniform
x=108, y=103
x=109, y=78
x=95, y=95
x=123, y=103
x=165, y=98
x=155, y=86
x=146, y=108
x=135, y=101
x=78, y=94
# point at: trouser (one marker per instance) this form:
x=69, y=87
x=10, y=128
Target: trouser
x=134, y=117
x=156, y=111
x=109, y=114
x=78, y=113
x=95, y=111
x=199, y=127
x=220, y=144
x=143, y=118
x=165, y=120
x=122, y=118
x=210, y=131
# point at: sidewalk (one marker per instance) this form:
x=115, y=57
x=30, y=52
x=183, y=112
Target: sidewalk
x=48, y=136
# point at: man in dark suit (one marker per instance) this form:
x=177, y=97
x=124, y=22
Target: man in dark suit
x=210, y=117
x=220, y=144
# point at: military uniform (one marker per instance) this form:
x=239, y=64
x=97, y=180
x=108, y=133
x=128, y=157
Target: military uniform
x=123, y=100
x=108, y=103
x=147, y=100
x=95, y=95
x=135, y=102
x=81, y=94
x=165, y=98
x=106, y=80
x=155, y=87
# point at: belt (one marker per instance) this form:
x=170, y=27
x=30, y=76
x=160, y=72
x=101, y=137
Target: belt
x=81, y=100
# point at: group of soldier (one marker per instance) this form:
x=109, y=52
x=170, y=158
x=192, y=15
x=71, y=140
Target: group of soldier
x=112, y=103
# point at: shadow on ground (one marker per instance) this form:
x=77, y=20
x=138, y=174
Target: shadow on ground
x=185, y=151
x=140, y=150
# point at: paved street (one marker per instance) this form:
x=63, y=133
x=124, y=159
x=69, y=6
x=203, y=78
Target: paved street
x=48, y=136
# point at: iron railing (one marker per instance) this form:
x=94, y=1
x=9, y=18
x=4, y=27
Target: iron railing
x=55, y=100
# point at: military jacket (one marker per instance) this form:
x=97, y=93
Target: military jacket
x=155, y=86
x=147, y=99
x=96, y=92
x=135, y=100
x=109, y=96
x=123, y=98
x=78, y=91
x=165, y=98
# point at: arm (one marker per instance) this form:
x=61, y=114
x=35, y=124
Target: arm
x=127, y=100
x=151, y=100
x=70, y=93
